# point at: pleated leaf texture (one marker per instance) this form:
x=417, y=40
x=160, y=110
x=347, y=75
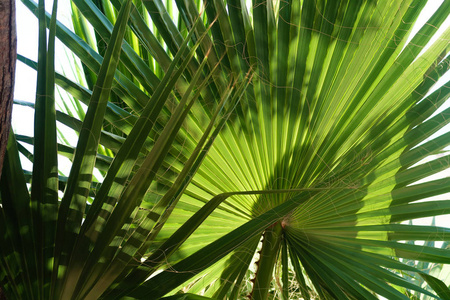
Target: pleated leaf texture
x=233, y=150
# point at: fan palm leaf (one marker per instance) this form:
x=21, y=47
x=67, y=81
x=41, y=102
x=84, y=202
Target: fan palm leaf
x=245, y=146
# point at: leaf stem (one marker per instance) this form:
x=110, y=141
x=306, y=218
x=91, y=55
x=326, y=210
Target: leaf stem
x=268, y=257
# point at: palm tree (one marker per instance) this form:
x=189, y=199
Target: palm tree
x=274, y=151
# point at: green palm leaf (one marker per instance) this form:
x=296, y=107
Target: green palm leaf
x=243, y=150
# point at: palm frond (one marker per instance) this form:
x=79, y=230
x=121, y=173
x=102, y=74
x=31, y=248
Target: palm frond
x=243, y=148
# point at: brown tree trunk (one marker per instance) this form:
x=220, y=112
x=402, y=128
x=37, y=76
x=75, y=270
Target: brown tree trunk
x=8, y=54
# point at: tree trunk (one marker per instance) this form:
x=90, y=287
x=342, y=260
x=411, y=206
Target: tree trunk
x=8, y=54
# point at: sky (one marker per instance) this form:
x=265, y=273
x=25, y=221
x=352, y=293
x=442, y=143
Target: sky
x=25, y=82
